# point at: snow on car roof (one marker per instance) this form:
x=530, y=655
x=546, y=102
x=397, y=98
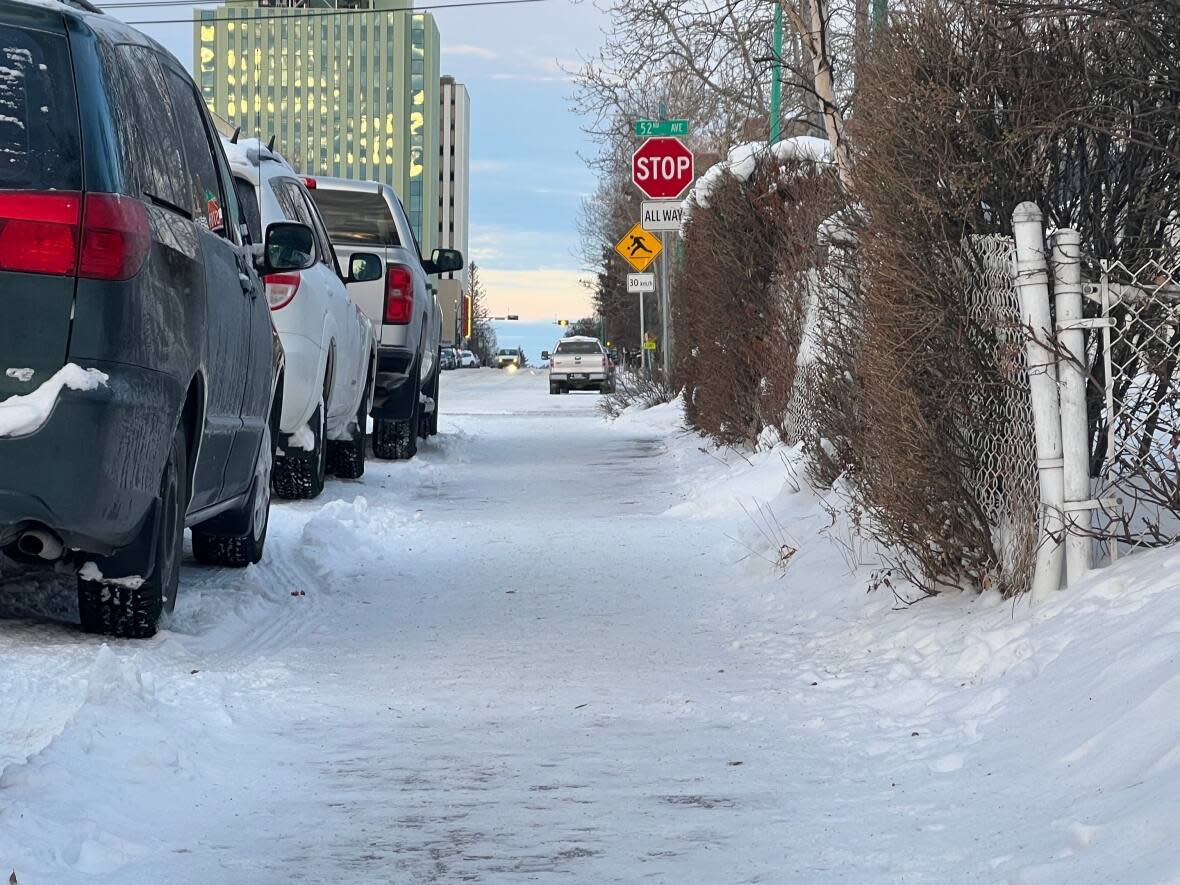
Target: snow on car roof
x=250, y=152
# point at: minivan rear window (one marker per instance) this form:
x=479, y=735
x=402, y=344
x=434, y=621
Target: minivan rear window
x=357, y=217
x=579, y=347
x=40, y=139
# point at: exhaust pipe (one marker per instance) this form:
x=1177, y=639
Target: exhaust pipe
x=42, y=544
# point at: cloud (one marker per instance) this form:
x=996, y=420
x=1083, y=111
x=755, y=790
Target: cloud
x=559, y=192
x=538, y=294
x=468, y=49
x=507, y=246
x=478, y=166
x=528, y=78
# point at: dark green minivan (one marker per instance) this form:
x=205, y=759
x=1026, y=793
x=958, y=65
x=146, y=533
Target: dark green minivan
x=140, y=377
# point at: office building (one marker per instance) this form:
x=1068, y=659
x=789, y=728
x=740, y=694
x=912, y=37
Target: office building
x=454, y=161
x=348, y=88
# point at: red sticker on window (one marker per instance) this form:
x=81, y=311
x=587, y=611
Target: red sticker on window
x=213, y=212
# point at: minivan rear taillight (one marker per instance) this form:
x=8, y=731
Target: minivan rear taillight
x=40, y=232
x=399, y=295
x=116, y=237
x=281, y=289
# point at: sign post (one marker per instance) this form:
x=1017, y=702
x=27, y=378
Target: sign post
x=662, y=168
x=666, y=314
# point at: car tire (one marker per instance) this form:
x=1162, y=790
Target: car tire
x=554, y=389
x=346, y=457
x=299, y=476
x=395, y=440
x=213, y=545
x=129, y=612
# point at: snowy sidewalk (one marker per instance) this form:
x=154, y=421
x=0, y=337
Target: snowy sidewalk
x=535, y=654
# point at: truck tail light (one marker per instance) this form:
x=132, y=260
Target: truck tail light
x=281, y=289
x=399, y=295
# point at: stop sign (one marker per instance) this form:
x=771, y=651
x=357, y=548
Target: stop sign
x=662, y=168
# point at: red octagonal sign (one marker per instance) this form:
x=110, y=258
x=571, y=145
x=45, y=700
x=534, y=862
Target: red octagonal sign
x=662, y=168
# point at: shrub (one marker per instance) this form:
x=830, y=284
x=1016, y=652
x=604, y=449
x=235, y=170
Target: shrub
x=740, y=294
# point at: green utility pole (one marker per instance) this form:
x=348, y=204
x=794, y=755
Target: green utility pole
x=880, y=11
x=776, y=124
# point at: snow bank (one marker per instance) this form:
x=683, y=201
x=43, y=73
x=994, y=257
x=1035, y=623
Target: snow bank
x=24, y=414
x=1057, y=722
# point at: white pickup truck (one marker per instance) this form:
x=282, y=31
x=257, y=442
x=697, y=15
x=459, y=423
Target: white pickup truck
x=579, y=363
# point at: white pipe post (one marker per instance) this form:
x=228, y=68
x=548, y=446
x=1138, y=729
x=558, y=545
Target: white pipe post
x=1032, y=285
x=1075, y=427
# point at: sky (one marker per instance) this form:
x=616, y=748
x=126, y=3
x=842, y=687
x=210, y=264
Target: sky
x=527, y=173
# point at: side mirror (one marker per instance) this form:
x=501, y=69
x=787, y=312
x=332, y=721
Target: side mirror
x=444, y=261
x=544, y=354
x=365, y=267
x=289, y=246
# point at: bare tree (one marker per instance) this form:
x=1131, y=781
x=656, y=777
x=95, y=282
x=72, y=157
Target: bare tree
x=483, y=334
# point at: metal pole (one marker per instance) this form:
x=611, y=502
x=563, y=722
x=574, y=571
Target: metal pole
x=880, y=13
x=665, y=310
x=1075, y=429
x=777, y=76
x=1032, y=286
x=642, y=334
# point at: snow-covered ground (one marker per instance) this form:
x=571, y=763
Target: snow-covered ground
x=552, y=649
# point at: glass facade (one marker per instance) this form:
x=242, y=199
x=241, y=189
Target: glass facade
x=348, y=94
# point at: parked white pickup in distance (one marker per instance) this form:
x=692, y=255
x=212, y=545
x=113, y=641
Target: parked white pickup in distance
x=580, y=363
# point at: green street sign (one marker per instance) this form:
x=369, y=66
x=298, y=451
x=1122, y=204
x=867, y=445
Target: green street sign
x=648, y=128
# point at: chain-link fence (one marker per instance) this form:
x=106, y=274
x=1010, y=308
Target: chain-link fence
x=1134, y=355
x=997, y=425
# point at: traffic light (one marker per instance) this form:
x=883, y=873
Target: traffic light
x=563, y=322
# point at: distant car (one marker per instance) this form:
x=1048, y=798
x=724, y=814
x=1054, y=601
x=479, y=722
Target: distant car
x=330, y=345
x=579, y=363
x=366, y=216
x=446, y=359
x=510, y=357
x=468, y=360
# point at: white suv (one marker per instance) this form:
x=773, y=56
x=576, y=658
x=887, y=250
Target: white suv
x=329, y=343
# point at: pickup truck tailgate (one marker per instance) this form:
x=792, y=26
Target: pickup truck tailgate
x=577, y=362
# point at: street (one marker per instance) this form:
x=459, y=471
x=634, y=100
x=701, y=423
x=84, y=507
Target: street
x=531, y=654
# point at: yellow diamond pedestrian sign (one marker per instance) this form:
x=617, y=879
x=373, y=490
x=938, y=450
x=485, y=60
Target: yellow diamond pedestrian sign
x=639, y=247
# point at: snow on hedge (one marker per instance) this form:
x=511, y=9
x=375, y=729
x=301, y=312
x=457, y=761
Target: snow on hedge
x=743, y=159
